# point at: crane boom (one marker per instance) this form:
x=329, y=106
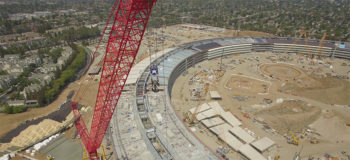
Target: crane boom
x=131, y=17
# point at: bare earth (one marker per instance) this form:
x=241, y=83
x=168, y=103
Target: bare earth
x=314, y=104
x=246, y=84
x=290, y=116
x=11, y=121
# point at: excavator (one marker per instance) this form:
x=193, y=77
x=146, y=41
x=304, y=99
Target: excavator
x=293, y=139
x=303, y=34
x=192, y=118
x=321, y=45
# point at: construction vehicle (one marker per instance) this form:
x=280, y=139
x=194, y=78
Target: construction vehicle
x=246, y=115
x=128, y=27
x=321, y=45
x=303, y=34
x=49, y=157
x=293, y=139
x=297, y=154
x=348, y=124
x=192, y=118
x=314, y=141
x=277, y=157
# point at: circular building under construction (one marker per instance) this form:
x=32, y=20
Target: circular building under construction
x=242, y=98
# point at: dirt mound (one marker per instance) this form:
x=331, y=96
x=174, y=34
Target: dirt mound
x=290, y=115
x=328, y=90
x=58, y=116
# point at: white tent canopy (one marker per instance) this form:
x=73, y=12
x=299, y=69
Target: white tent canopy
x=220, y=129
x=212, y=122
x=231, y=140
x=242, y=134
x=231, y=119
x=263, y=144
x=249, y=152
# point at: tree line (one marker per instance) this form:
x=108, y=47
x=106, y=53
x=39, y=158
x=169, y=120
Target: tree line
x=63, y=77
x=50, y=92
x=53, y=39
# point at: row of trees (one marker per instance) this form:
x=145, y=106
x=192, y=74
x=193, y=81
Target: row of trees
x=48, y=93
x=23, y=81
x=66, y=76
x=43, y=27
x=283, y=18
x=65, y=36
x=63, y=77
x=97, y=13
x=73, y=34
x=13, y=110
x=3, y=72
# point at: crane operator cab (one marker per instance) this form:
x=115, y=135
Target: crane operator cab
x=154, y=78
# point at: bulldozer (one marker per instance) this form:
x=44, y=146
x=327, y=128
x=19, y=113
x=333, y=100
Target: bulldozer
x=49, y=157
x=192, y=118
x=277, y=157
x=314, y=141
x=293, y=139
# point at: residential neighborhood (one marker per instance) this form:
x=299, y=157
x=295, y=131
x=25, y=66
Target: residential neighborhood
x=43, y=73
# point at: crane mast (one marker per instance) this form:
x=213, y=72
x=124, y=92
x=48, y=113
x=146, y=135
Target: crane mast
x=131, y=17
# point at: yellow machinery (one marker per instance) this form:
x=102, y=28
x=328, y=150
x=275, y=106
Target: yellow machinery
x=314, y=141
x=293, y=139
x=321, y=45
x=101, y=155
x=303, y=34
x=200, y=96
x=348, y=124
x=277, y=157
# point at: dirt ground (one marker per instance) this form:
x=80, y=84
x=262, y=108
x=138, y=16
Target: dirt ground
x=296, y=81
x=310, y=100
x=281, y=71
x=11, y=121
x=333, y=120
x=88, y=85
x=328, y=90
x=290, y=116
x=246, y=84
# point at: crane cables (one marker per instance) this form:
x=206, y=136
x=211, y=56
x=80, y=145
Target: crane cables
x=116, y=3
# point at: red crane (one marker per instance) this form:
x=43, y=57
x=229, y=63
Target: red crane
x=131, y=17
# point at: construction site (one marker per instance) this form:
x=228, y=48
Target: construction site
x=198, y=92
x=254, y=91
